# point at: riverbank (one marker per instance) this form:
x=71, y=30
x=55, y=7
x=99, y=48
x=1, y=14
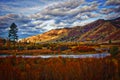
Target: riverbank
x=42, y=52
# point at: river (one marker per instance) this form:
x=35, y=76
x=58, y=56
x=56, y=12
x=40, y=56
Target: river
x=98, y=55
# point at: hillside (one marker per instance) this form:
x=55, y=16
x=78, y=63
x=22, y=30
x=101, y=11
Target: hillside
x=48, y=36
x=97, y=31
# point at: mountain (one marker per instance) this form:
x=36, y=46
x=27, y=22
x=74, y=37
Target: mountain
x=98, y=31
x=48, y=36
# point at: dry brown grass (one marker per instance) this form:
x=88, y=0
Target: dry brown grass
x=13, y=68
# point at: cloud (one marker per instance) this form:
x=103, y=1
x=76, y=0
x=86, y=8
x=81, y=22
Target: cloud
x=82, y=23
x=110, y=10
x=112, y=2
x=112, y=16
x=56, y=15
x=45, y=15
x=6, y=20
x=60, y=9
x=21, y=6
x=106, y=11
x=65, y=13
x=116, y=9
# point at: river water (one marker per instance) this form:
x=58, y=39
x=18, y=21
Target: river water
x=98, y=55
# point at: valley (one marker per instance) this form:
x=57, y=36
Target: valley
x=90, y=52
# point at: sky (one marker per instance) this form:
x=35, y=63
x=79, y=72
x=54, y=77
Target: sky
x=34, y=17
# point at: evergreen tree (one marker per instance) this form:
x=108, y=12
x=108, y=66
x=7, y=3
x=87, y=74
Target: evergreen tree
x=13, y=33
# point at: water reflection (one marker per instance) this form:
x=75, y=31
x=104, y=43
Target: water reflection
x=99, y=55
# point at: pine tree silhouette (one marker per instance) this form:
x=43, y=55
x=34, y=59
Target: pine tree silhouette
x=13, y=33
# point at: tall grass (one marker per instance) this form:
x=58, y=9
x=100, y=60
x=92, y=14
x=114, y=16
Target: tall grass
x=19, y=68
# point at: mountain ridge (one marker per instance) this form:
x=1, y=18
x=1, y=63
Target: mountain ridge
x=98, y=31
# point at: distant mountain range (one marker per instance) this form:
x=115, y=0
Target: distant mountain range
x=97, y=31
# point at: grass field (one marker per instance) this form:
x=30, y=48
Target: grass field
x=13, y=68
x=18, y=68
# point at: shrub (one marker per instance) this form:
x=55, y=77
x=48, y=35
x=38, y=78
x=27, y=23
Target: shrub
x=83, y=49
x=114, y=50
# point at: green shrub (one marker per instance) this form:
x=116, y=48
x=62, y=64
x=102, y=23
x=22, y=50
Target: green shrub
x=114, y=50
